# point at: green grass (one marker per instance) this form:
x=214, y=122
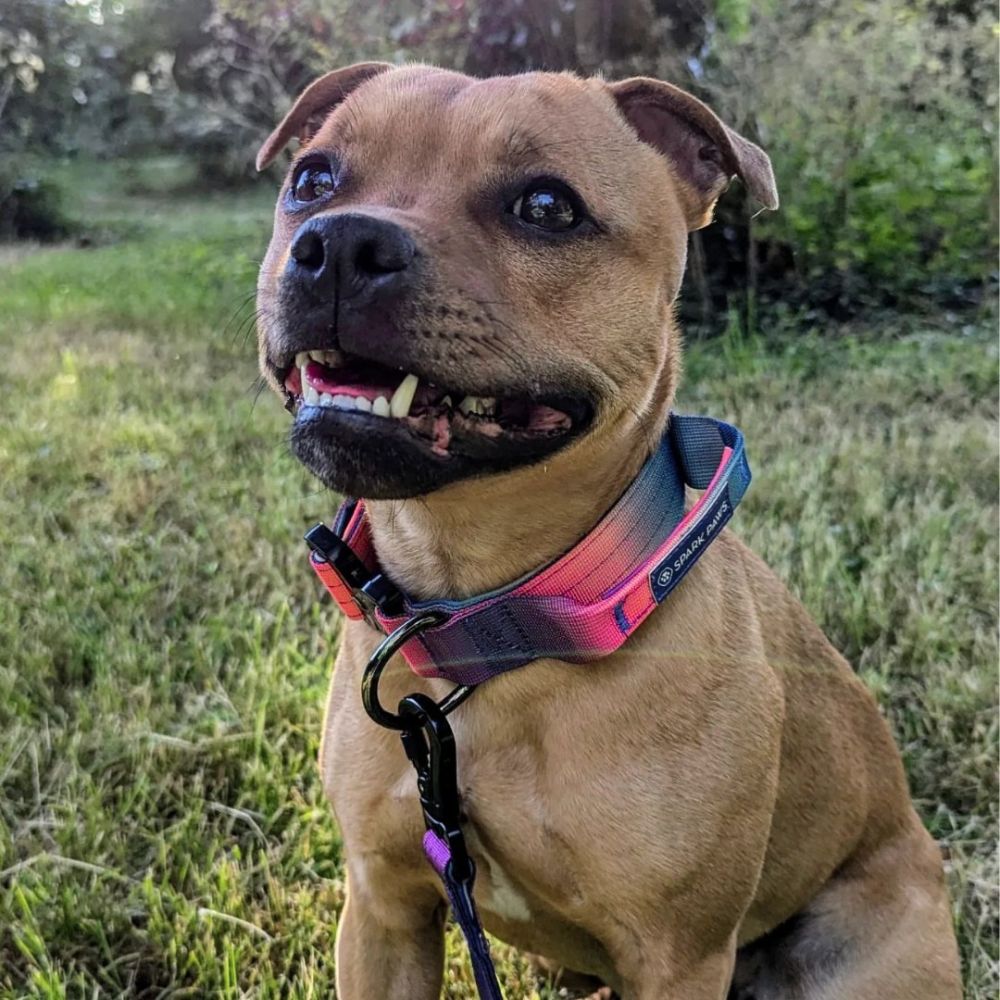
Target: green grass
x=164, y=651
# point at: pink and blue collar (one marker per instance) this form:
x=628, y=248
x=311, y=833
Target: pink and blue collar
x=583, y=605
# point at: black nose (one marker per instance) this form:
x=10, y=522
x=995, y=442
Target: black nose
x=351, y=255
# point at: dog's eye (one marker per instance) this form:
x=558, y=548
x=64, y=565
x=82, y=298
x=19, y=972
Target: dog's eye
x=313, y=181
x=548, y=206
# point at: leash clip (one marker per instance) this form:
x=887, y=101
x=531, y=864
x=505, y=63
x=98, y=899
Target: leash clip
x=430, y=746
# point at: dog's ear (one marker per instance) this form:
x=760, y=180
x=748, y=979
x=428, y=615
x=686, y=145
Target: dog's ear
x=705, y=154
x=314, y=104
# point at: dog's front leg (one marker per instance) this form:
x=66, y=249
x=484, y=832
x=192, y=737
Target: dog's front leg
x=664, y=976
x=390, y=940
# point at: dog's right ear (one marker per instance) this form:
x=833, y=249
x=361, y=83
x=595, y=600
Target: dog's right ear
x=314, y=104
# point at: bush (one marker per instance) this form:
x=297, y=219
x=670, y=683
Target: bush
x=880, y=119
x=30, y=208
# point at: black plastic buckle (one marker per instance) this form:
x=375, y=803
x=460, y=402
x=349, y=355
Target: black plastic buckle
x=370, y=591
x=430, y=746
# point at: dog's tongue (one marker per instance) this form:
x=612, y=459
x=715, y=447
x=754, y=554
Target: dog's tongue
x=341, y=383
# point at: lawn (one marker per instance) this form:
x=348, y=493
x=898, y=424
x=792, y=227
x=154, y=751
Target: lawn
x=164, y=649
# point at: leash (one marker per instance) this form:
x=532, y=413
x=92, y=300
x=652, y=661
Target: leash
x=578, y=608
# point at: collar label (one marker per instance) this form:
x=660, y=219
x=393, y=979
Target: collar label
x=670, y=570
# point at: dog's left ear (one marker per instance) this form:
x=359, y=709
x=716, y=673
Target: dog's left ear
x=314, y=104
x=704, y=152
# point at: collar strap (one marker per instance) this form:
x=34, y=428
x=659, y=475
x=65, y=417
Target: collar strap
x=580, y=607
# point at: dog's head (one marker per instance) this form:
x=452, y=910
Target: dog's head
x=467, y=276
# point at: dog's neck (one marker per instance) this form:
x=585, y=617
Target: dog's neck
x=478, y=535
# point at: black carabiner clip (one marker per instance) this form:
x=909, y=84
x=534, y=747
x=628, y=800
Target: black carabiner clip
x=430, y=746
x=378, y=661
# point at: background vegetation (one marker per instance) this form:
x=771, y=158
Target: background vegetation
x=164, y=651
x=880, y=115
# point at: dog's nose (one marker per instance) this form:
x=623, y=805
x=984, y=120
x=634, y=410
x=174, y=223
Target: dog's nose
x=351, y=254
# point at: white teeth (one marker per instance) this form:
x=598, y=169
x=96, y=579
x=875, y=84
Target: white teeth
x=402, y=398
x=447, y=402
x=480, y=405
x=318, y=356
x=398, y=406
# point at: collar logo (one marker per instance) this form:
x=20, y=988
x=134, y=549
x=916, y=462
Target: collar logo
x=676, y=562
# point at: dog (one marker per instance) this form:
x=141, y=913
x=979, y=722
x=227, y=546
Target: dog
x=715, y=810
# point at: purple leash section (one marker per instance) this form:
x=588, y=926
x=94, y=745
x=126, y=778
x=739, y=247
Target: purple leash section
x=463, y=907
x=581, y=607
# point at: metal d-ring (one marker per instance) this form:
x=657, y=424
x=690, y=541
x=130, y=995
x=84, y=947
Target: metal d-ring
x=378, y=661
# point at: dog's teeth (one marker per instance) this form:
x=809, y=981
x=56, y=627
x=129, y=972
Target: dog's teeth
x=447, y=402
x=325, y=399
x=310, y=395
x=330, y=359
x=362, y=404
x=402, y=398
x=301, y=359
x=480, y=405
x=318, y=356
x=380, y=407
x=343, y=402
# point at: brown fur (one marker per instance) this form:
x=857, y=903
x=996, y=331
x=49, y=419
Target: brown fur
x=717, y=808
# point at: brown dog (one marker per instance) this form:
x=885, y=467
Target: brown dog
x=715, y=810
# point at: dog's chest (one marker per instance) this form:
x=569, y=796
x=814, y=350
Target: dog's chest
x=528, y=893
x=499, y=892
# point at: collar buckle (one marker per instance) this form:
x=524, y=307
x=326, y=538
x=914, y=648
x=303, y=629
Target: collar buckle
x=359, y=592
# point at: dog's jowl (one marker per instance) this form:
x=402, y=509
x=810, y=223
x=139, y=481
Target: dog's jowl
x=467, y=307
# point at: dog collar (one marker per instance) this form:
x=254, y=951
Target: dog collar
x=580, y=607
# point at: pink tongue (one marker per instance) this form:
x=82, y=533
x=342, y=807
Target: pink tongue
x=323, y=380
x=544, y=418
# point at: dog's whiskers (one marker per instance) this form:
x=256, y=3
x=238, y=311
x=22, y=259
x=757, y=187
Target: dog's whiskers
x=236, y=314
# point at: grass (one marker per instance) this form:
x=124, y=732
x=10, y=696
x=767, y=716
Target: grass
x=164, y=651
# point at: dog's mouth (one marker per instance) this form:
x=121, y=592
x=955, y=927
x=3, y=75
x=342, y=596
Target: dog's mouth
x=368, y=429
x=441, y=416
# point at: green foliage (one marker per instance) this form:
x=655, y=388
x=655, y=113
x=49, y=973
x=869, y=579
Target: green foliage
x=166, y=650
x=880, y=117
x=31, y=207
x=734, y=17
x=881, y=122
x=68, y=73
